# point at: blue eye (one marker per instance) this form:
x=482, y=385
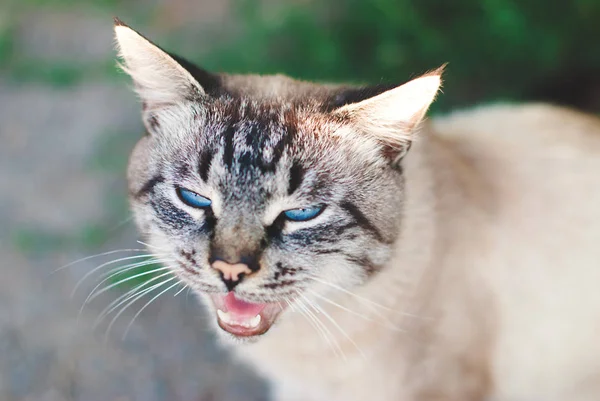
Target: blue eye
x=303, y=214
x=193, y=199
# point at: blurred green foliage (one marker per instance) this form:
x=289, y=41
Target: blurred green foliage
x=36, y=242
x=140, y=271
x=496, y=49
x=56, y=74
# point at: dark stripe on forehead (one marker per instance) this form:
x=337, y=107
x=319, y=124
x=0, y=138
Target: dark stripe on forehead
x=296, y=177
x=265, y=130
x=149, y=185
x=204, y=164
x=253, y=136
x=256, y=139
x=228, y=150
x=361, y=219
x=290, y=126
x=182, y=171
x=288, y=135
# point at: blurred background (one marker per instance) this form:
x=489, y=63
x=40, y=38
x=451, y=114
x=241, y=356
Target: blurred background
x=68, y=122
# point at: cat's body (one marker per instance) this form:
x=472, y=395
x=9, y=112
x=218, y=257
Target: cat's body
x=498, y=271
x=463, y=270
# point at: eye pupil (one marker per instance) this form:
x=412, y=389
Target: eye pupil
x=193, y=199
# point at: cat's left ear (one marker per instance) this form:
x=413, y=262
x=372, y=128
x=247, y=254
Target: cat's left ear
x=392, y=117
x=159, y=79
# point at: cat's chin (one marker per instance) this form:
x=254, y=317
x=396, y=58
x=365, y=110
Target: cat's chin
x=244, y=320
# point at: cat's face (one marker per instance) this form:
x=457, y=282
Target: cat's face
x=264, y=191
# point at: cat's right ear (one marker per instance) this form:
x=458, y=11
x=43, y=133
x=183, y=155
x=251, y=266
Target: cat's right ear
x=158, y=78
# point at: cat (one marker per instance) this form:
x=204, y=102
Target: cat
x=349, y=249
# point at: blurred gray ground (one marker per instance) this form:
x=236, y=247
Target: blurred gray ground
x=62, y=197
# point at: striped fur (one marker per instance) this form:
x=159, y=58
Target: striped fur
x=256, y=148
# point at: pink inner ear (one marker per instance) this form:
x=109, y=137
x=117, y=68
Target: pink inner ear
x=242, y=308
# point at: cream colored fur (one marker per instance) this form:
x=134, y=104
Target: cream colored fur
x=492, y=292
x=494, y=281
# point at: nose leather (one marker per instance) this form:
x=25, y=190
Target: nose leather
x=231, y=271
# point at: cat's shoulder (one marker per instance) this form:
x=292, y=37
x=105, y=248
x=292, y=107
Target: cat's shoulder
x=527, y=126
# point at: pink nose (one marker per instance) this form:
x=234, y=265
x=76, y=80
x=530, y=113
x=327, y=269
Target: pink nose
x=229, y=271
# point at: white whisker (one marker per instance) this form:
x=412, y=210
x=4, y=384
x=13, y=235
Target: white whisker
x=152, y=246
x=135, y=298
x=365, y=300
x=318, y=309
x=88, y=274
x=97, y=256
x=290, y=304
x=121, y=223
x=93, y=296
x=181, y=290
x=327, y=333
x=122, y=269
x=144, y=307
x=127, y=296
x=352, y=312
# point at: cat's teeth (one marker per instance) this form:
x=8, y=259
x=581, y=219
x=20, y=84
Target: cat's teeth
x=224, y=316
x=228, y=319
x=255, y=321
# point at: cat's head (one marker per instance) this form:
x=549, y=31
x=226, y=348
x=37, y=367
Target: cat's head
x=266, y=190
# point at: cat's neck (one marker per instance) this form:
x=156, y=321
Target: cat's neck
x=405, y=283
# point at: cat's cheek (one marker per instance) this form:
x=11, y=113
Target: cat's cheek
x=340, y=274
x=142, y=219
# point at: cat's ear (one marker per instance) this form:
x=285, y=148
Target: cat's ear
x=159, y=79
x=393, y=116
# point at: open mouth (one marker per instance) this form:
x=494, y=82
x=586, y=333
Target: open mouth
x=244, y=319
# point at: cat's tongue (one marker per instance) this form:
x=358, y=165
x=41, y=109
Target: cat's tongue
x=241, y=308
